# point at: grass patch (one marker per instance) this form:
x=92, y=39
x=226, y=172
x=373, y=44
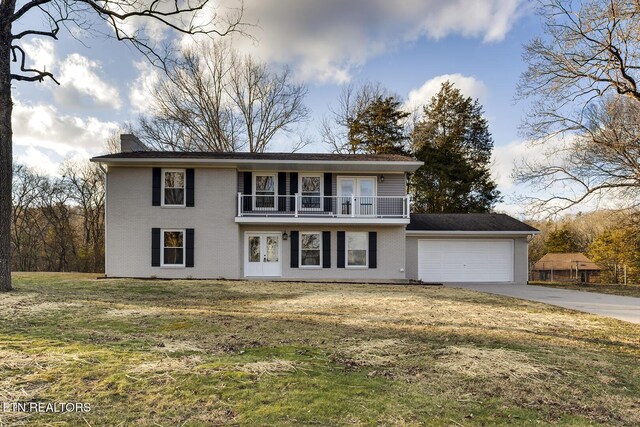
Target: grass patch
x=203, y=353
x=624, y=290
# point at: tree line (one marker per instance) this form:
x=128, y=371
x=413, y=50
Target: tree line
x=607, y=237
x=217, y=99
x=57, y=223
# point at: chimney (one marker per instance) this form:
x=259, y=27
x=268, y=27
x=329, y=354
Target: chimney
x=130, y=142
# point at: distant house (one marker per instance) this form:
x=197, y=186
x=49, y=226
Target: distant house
x=565, y=267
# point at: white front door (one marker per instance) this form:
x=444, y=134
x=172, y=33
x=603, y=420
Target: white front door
x=359, y=192
x=262, y=255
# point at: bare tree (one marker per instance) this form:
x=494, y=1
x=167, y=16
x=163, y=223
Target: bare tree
x=185, y=17
x=85, y=183
x=351, y=104
x=219, y=100
x=25, y=218
x=582, y=78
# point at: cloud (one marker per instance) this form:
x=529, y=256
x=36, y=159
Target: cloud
x=81, y=86
x=468, y=85
x=326, y=40
x=139, y=90
x=40, y=53
x=38, y=161
x=43, y=126
x=506, y=157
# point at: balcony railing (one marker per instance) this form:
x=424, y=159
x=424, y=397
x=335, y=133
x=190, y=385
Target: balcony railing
x=299, y=205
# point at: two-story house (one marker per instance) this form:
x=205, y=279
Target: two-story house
x=298, y=216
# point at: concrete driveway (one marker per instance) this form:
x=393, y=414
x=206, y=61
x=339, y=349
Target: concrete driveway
x=616, y=306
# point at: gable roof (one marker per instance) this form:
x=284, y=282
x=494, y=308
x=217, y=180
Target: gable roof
x=470, y=223
x=257, y=161
x=334, y=157
x=565, y=261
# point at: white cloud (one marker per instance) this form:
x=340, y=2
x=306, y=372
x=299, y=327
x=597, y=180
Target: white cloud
x=468, y=85
x=43, y=126
x=38, y=161
x=81, y=86
x=325, y=40
x=506, y=157
x=40, y=53
x=139, y=90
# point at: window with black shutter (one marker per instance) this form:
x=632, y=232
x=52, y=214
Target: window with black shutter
x=191, y=188
x=156, y=186
x=326, y=249
x=373, y=249
x=155, y=247
x=295, y=249
x=189, y=241
x=341, y=249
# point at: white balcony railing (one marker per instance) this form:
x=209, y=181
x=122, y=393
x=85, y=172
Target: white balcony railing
x=299, y=205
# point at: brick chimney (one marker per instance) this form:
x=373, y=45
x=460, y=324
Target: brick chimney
x=130, y=142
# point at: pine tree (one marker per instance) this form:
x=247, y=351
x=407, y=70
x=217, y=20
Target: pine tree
x=453, y=141
x=562, y=240
x=379, y=129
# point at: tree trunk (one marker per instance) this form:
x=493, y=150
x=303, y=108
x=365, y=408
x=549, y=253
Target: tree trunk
x=6, y=106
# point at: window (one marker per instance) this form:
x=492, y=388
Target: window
x=265, y=191
x=311, y=191
x=173, y=184
x=173, y=248
x=357, y=244
x=310, y=249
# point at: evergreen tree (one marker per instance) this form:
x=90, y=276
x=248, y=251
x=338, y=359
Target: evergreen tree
x=453, y=141
x=562, y=240
x=378, y=128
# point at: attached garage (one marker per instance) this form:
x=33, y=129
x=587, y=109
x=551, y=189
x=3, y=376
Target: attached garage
x=465, y=260
x=467, y=248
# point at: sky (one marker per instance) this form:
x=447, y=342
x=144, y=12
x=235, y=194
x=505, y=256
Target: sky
x=409, y=46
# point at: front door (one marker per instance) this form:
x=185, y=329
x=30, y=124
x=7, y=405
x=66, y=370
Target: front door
x=262, y=254
x=359, y=192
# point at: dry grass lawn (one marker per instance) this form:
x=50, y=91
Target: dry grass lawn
x=204, y=353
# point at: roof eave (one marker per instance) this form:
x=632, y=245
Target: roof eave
x=253, y=164
x=470, y=233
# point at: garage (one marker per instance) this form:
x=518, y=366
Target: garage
x=465, y=260
x=467, y=248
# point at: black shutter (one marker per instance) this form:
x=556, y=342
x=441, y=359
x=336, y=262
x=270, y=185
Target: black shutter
x=189, y=246
x=341, y=254
x=326, y=249
x=373, y=249
x=157, y=186
x=155, y=247
x=328, y=202
x=248, y=185
x=293, y=189
x=190, y=187
x=295, y=248
x=282, y=191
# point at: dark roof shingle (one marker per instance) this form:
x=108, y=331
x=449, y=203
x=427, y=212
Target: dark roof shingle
x=467, y=222
x=256, y=156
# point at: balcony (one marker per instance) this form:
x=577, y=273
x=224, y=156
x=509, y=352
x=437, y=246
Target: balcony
x=260, y=209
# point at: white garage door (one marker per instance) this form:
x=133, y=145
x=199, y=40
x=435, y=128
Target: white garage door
x=472, y=260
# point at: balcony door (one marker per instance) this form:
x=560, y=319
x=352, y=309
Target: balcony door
x=262, y=254
x=359, y=191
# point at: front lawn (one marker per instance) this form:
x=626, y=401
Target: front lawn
x=625, y=290
x=203, y=353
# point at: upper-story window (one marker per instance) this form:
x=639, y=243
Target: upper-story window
x=173, y=187
x=311, y=191
x=265, y=190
